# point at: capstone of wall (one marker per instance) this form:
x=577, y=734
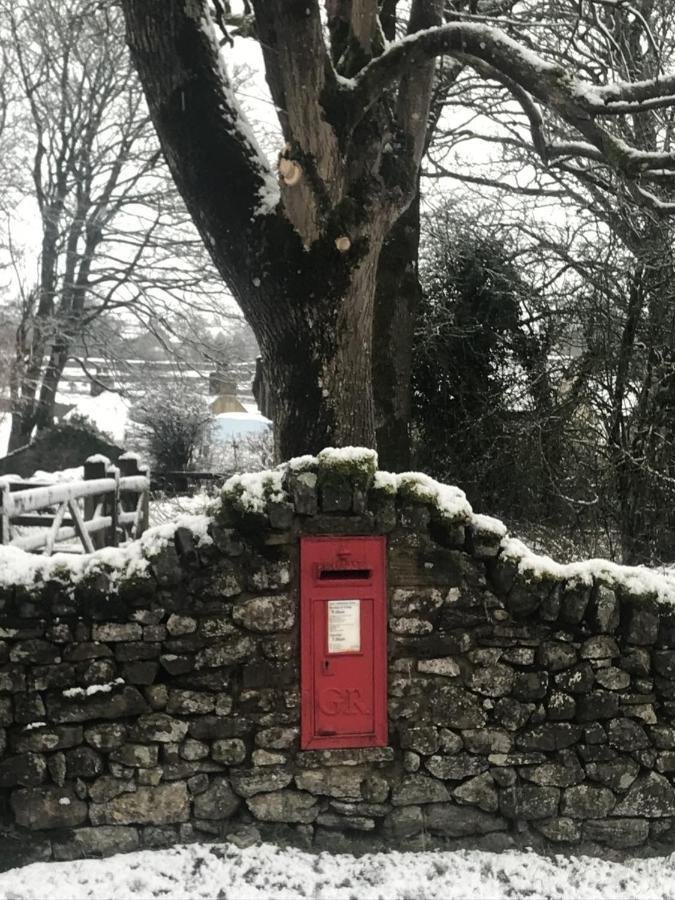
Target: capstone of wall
x=151, y=696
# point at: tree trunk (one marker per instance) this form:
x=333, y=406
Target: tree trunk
x=316, y=358
x=397, y=299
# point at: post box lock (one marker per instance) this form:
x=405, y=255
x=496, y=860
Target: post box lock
x=344, y=642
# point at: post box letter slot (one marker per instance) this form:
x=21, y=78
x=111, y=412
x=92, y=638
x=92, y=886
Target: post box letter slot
x=343, y=596
x=344, y=574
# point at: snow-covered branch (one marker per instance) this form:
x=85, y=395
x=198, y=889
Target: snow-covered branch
x=574, y=100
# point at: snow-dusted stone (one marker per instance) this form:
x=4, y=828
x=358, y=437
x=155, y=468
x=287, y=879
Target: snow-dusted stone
x=417, y=788
x=304, y=491
x=284, y=806
x=48, y=807
x=97, y=842
x=651, y=796
x=42, y=740
x=160, y=805
x=113, y=704
x=217, y=802
x=265, y=614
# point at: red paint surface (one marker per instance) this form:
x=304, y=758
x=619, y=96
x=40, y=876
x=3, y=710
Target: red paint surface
x=344, y=694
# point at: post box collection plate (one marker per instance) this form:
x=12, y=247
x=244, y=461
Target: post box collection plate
x=344, y=642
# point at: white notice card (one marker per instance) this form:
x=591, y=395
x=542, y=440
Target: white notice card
x=344, y=626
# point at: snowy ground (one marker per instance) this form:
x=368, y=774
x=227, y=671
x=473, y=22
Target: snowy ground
x=222, y=871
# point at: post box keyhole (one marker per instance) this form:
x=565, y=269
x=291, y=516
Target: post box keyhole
x=326, y=665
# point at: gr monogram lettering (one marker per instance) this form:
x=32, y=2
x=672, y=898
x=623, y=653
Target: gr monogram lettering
x=333, y=702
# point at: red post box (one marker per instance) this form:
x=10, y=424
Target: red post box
x=344, y=642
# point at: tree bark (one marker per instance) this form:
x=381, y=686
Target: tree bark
x=397, y=298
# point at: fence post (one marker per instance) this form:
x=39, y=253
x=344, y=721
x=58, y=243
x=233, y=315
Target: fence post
x=128, y=464
x=5, y=506
x=95, y=467
x=112, y=507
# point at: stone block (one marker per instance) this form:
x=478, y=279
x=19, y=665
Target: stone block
x=217, y=802
x=455, y=821
x=342, y=782
x=26, y=769
x=229, y=751
x=116, y=704
x=47, y=807
x=555, y=656
x=292, y=807
x=651, y=796
x=415, y=789
x=619, y=834
x=110, y=632
x=456, y=708
x=105, y=840
x=160, y=727
x=587, y=801
x=265, y=614
x=161, y=805
x=457, y=767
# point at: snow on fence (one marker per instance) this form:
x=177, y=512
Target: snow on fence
x=107, y=508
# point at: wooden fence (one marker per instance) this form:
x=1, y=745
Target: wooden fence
x=107, y=508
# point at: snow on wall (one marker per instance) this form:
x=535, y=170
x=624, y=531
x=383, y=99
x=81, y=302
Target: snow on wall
x=530, y=704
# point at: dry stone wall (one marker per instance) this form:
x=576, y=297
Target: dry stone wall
x=526, y=708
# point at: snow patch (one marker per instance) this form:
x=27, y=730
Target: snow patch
x=266, y=872
x=104, y=688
